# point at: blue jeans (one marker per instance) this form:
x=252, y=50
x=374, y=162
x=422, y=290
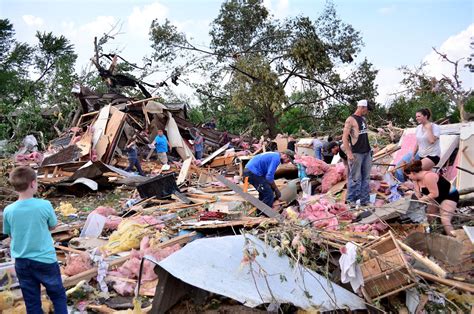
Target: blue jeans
x=265, y=191
x=134, y=163
x=359, y=178
x=31, y=274
x=198, y=154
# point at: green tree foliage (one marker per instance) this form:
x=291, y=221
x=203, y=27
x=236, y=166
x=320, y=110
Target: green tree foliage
x=421, y=91
x=266, y=57
x=34, y=80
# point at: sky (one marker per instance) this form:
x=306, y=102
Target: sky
x=395, y=33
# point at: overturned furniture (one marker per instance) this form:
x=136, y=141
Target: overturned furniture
x=384, y=269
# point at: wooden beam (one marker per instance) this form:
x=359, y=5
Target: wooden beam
x=425, y=261
x=448, y=282
x=183, y=174
x=267, y=210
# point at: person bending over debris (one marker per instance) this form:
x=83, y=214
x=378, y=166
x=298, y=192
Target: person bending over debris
x=291, y=143
x=261, y=173
x=359, y=155
x=28, y=222
x=329, y=150
x=133, y=161
x=161, y=146
x=427, y=146
x=436, y=190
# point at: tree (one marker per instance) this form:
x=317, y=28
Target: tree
x=267, y=57
x=444, y=97
x=51, y=62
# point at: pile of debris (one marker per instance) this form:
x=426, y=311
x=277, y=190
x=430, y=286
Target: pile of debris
x=188, y=236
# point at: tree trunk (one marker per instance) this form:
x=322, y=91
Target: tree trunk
x=271, y=120
x=76, y=117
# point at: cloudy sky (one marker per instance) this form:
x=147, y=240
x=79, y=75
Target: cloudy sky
x=395, y=33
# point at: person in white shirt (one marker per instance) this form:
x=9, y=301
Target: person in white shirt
x=427, y=146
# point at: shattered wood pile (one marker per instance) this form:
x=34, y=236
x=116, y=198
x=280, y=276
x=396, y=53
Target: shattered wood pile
x=181, y=236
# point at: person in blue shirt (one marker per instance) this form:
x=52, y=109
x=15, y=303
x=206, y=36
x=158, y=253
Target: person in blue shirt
x=318, y=148
x=161, y=146
x=261, y=173
x=198, y=145
x=28, y=222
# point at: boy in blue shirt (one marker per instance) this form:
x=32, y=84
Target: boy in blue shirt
x=161, y=146
x=261, y=173
x=28, y=222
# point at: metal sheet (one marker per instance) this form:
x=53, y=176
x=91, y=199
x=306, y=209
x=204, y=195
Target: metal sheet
x=215, y=265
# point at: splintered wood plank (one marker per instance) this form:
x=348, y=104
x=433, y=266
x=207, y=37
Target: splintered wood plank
x=183, y=174
x=85, y=144
x=114, y=125
x=215, y=154
x=101, y=147
x=100, y=124
x=267, y=210
x=113, y=132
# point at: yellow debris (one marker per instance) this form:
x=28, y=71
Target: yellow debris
x=127, y=236
x=6, y=300
x=66, y=209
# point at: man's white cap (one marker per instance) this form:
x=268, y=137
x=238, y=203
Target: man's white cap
x=362, y=103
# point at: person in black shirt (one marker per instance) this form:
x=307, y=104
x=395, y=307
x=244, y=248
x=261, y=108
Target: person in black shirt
x=359, y=155
x=291, y=143
x=330, y=149
x=434, y=189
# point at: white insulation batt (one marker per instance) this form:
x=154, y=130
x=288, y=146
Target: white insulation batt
x=215, y=265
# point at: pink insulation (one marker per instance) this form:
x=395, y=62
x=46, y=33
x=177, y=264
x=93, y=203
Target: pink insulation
x=104, y=211
x=131, y=268
x=332, y=176
x=36, y=157
x=313, y=165
x=375, y=228
x=324, y=214
x=407, y=144
x=149, y=220
x=112, y=222
x=374, y=186
x=77, y=263
x=379, y=202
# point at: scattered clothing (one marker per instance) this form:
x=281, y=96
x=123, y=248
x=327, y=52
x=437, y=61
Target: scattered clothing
x=350, y=270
